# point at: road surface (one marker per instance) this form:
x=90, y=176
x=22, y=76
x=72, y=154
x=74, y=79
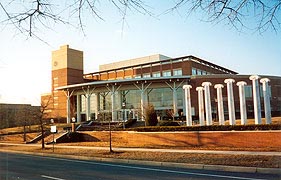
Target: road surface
x=28, y=167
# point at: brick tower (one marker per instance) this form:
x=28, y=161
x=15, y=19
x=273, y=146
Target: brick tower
x=67, y=69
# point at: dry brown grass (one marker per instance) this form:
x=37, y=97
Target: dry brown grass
x=217, y=159
x=120, y=141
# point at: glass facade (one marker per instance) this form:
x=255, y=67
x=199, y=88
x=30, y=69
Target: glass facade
x=161, y=98
x=132, y=99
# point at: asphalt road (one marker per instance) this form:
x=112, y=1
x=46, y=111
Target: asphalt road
x=27, y=167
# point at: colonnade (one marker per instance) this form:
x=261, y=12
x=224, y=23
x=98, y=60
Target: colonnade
x=113, y=89
x=230, y=99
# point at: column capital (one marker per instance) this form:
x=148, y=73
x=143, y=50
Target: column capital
x=264, y=80
x=206, y=84
x=218, y=86
x=254, y=77
x=199, y=88
x=241, y=83
x=229, y=80
x=187, y=87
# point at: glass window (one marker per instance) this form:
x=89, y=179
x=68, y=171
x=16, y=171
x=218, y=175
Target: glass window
x=137, y=76
x=146, y=75
x=132, y=99
x=177, y=72
x=204, y=72
x=199, y=72
x=248, y=91
x=161, y=97
x=194, y=72
x=166, y=73
x=156, y=74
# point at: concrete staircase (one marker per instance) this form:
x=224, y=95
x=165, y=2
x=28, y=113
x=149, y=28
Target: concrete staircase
x=56, y=137
x=39, y=137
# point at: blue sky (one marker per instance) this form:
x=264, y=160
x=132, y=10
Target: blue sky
x=25, y=63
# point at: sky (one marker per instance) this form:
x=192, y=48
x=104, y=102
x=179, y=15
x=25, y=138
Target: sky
x=25, y=63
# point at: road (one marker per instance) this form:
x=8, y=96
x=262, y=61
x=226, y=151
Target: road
x=28, y=167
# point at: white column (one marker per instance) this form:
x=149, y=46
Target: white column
x=96, y=107
x=68, y=119
x=78, y=108
x=201, y=106
x=266, y=98
x=143, y=89
x=188, y=104
x=220, y=103
x=88, y=107
x=230, y=100
x=208, y=107
x=243, y=109
x=113, y=103
x=125, y=114
x=256, y=98
x=175, y=102
x=88, y=92
x=68, y=96
x=143, y=103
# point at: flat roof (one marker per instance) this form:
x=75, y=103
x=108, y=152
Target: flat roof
x=183, y=58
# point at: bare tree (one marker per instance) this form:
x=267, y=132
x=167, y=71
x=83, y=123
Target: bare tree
x=264, y=14
x=31, y=15
x=41, y=116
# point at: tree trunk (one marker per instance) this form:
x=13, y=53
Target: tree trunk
x=24, y=132
x=42, y=132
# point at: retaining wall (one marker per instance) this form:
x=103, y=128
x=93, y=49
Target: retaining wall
x=238, y=139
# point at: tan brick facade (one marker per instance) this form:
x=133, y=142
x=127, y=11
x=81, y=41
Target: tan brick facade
x=67, y=69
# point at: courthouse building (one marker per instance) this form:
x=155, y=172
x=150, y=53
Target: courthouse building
x=122, y=90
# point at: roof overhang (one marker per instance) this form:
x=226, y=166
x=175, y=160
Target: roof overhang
x=123, y=81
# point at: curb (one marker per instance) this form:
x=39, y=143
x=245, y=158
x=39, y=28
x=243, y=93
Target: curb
x=156, y=163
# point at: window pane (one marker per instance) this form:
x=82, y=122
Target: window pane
x=177, y=72
x=156, y=74
x=248, y=91
x=166, y=73
x=146, y=75
x=194, y=72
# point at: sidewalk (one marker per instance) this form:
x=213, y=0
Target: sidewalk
x=156, y=150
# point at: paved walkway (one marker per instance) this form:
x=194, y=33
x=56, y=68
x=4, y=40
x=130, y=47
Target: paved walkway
x=261, y=153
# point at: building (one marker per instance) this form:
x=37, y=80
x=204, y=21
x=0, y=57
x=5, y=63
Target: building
x=12, y=115
x=123, y=89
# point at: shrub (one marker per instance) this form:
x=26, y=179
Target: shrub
x=130, y=122
x=150, y=116
x=168, y=123
x=261, y=127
